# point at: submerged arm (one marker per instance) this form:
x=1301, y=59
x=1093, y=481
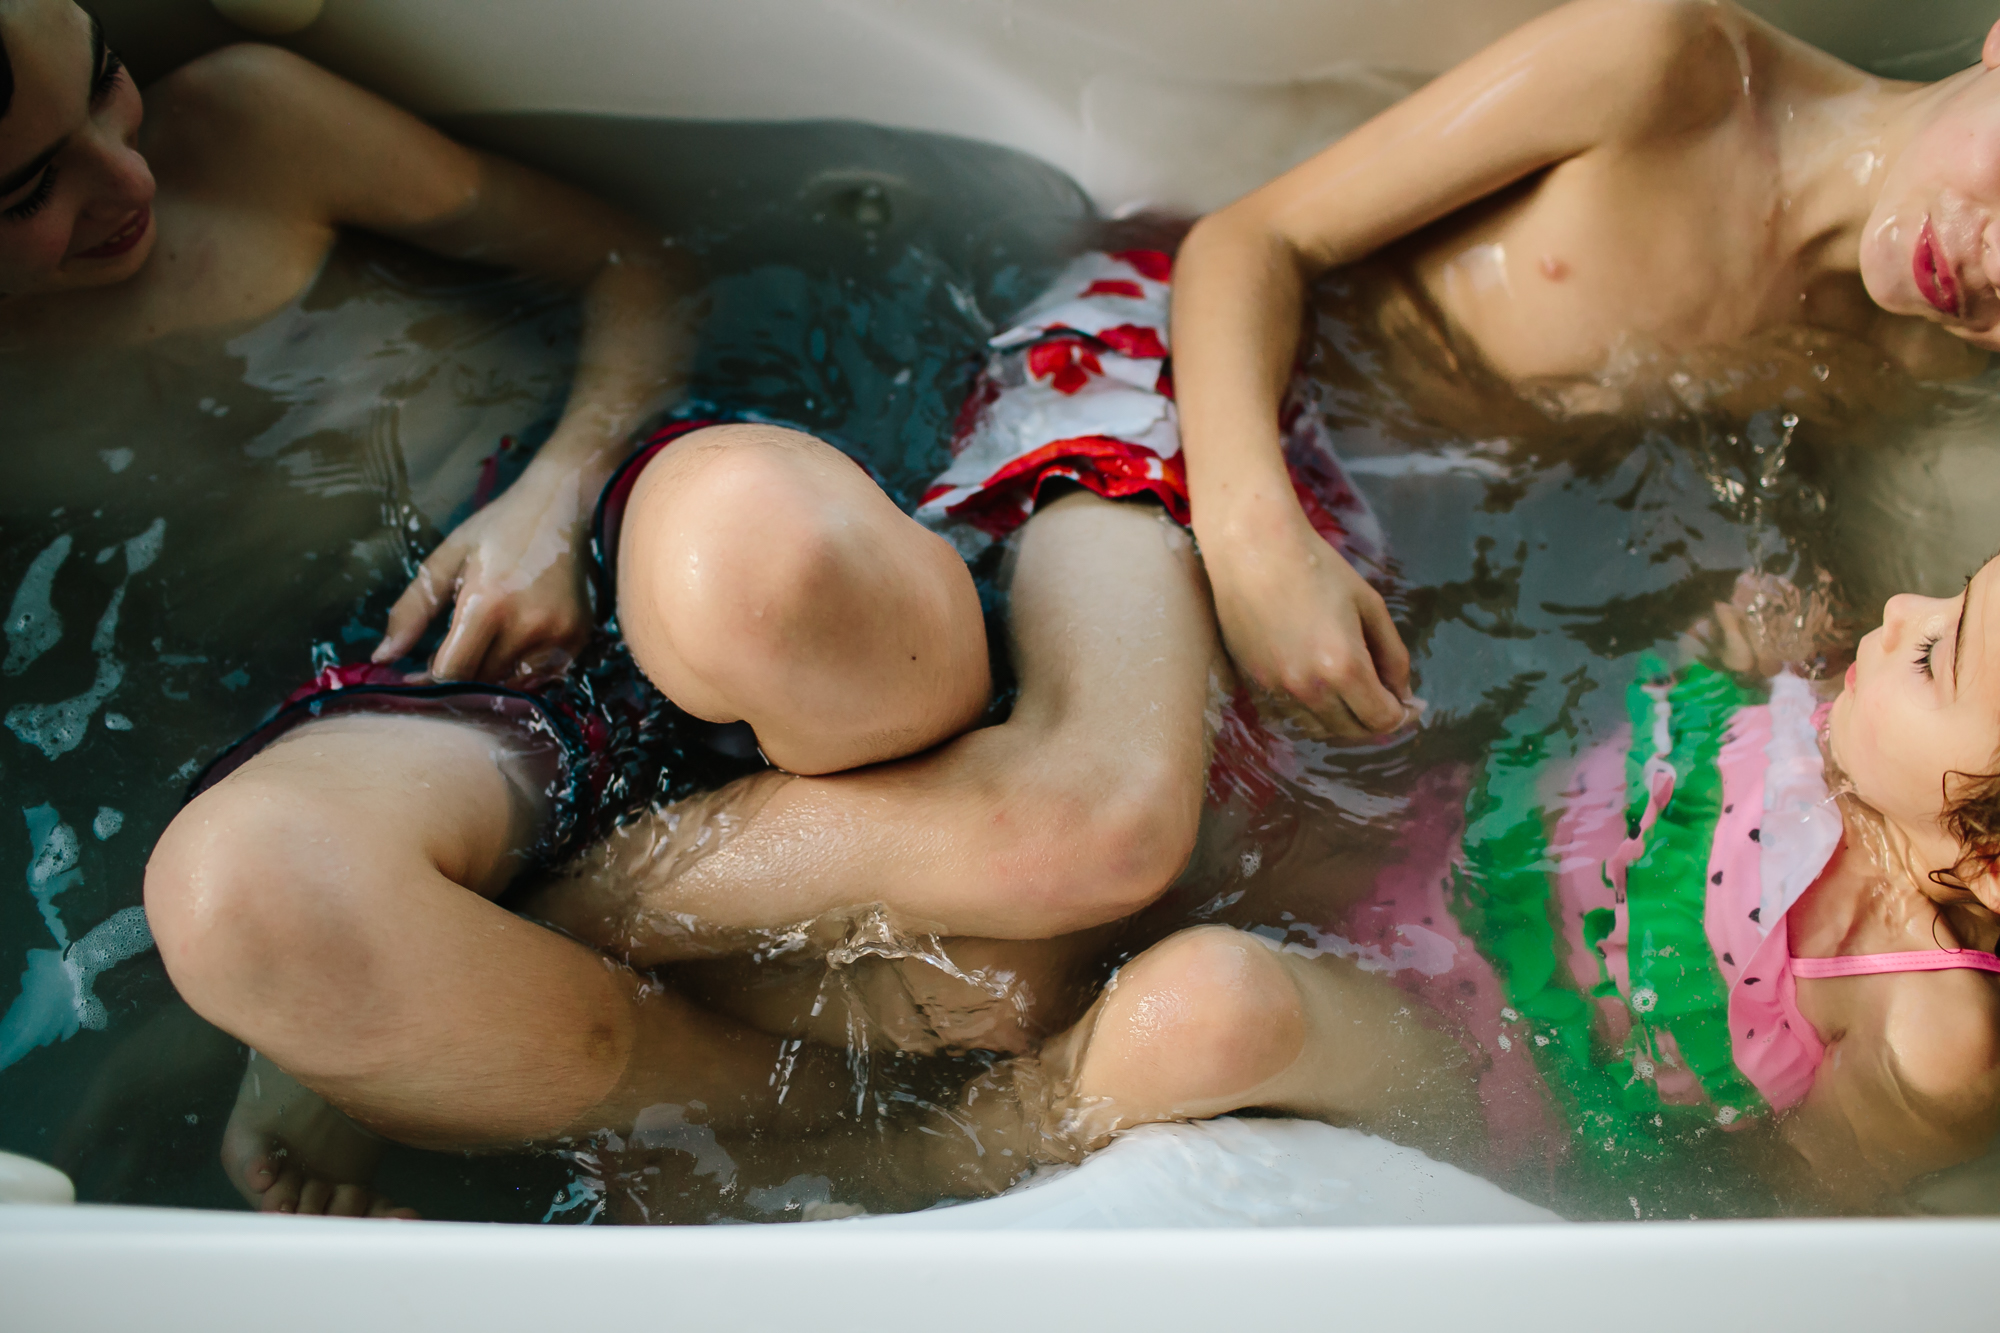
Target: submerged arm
x=318, y=149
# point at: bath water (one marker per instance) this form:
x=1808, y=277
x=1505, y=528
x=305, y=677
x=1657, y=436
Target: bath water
x=189, y=528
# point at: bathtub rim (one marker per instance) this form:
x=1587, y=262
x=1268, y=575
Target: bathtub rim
x=220, y=1272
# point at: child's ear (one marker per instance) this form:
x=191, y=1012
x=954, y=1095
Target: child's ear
x=1989, y=55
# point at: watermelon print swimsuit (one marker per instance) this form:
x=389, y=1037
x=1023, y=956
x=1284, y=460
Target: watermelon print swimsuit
x=1613, y=933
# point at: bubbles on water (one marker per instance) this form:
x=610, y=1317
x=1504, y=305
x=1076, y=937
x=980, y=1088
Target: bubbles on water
x=108, y=821
x=117, y=722
x=33, y=627
x=56, y=1000
x=57, y=728
x=116, y=459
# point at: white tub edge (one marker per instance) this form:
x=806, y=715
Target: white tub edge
x=92, y=1268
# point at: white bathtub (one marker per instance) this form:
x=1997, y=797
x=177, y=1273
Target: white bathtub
x=1270, y=1224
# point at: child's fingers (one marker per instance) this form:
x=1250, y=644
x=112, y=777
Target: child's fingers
x=474, y=624
x=1386, y=648
x=1378, y=709
x=418, y=606
x=1735, y=648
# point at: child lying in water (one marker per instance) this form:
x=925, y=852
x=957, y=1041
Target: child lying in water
x=1751, y=914
x=1619, y=183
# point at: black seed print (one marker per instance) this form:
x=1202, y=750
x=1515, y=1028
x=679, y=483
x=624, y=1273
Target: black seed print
x=1756, y=835
x=1749, y=981
x=1727, y=959
x=1755, y=915
x=1727, y=808
x=1751, y=1033
x=1716, y=878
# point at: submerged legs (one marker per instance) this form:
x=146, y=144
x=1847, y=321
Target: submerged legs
x=329, y=903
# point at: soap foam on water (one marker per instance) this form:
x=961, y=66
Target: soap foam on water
x=56, y=1000
x=57, y=728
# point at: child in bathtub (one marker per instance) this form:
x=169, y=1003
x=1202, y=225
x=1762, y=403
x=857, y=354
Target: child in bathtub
x=1620, y=193
x=219, y=207
x=1753, y=914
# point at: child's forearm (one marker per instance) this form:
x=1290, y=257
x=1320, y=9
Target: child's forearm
x=636, y=346
x=1239, y=294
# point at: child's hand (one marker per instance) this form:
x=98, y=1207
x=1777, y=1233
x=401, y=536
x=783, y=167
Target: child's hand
x=514, y=570
x=1311, y=634
x=1767, y=625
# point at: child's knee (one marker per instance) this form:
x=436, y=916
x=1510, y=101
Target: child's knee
x=232, y=897
x=765, y=577
x=1206, y=1015
x=726, y=545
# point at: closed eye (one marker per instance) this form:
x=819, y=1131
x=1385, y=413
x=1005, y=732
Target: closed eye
x=107, y=78
x=37, y=199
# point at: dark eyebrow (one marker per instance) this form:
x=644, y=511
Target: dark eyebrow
x=40, y=164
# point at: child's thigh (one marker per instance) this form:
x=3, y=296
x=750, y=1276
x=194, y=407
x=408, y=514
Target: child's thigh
x=343, y=812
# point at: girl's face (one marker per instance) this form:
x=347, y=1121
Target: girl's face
x=1931, y=247
x=75, y=195
x=1922, y=702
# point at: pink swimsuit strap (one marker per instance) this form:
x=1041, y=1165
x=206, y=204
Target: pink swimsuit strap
x=1913, y=960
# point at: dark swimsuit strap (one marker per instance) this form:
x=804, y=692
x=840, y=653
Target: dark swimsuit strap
x=609, y=515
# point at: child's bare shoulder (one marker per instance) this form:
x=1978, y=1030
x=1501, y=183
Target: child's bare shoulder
x=256, y=124
x=1943, y=1032
x=229, y=109
x=1682, y=63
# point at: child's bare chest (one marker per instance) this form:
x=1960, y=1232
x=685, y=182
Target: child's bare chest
x=1610, y=258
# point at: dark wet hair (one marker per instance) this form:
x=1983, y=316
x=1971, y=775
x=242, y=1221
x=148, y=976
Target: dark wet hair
x=6, y=79
x=1972, y=816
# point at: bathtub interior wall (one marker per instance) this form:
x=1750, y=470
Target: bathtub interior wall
x=1183, y=105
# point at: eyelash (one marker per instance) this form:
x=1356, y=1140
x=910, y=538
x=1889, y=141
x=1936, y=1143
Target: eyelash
x=37, y=201
x=107, y=78
x=107, y=82
x=1924, y=651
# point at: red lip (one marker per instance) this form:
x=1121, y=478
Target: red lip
x=121, y=241
x=1932, y=271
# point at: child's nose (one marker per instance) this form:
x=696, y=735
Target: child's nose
x=1898, y=612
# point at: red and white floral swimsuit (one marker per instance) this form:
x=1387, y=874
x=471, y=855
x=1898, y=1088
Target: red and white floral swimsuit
x=1081, y=389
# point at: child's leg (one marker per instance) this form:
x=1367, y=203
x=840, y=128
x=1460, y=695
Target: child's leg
x=763, y=576
x=1213, y=1020
x=921, y=996
x=1078, y=811
x=328, y=903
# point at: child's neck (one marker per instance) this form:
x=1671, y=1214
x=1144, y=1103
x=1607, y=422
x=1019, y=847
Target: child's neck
x=1834, y=144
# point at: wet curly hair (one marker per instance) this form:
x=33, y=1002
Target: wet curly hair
x=1972, y=817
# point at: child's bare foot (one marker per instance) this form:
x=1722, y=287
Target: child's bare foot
x=287, y=1151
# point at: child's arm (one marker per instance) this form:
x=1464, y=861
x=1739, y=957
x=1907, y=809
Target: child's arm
x=1297, y=619
x=329, y=155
